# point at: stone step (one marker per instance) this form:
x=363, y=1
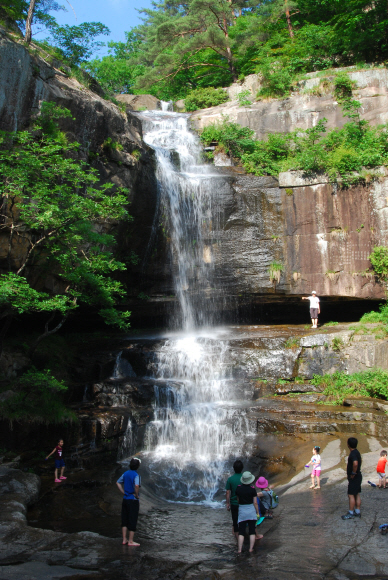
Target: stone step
x=271, y=424
x=295, y=410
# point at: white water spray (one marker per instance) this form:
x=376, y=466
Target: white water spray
x=195, y=428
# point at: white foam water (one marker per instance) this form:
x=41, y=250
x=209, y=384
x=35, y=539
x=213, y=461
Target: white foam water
x=195, y=428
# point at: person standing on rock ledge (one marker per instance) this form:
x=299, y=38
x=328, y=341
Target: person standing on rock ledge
x=130, y=506
x=353, y=472
x=314, y=308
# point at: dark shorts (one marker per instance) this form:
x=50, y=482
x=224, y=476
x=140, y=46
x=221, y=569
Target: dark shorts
x=354, y=485
x=59, y=463
x=242, y=527
x=314, y=313
x=234, y=512
x=129, y=514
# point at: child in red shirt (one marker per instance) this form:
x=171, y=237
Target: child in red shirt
x=381, y=467
x=59, y=462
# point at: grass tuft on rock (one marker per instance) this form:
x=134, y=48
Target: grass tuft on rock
x=339, y=386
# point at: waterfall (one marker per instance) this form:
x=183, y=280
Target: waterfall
x=188, y=190
x=122, y=368
x=196, y=427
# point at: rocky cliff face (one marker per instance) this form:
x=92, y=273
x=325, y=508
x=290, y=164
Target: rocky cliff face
x=322, y=235
x=301, y=110
x=26, y=80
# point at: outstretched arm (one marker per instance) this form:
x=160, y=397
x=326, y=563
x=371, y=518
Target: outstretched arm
x=53, y=451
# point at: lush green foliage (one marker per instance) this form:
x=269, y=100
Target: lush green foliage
x=45, y=189
x=182, y=46
x=200, y=43
x=37, y=398
x=379, y=261
x=202, y=98
x=78, y=42
x=231, y=137
x=340, y=153
x=16, y=10
x=373, y=317
x=338, y=386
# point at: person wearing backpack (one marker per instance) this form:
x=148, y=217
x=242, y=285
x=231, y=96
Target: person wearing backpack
x=267, y=497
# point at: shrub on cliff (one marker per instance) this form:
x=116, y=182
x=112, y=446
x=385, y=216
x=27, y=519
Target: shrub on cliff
x=37, y=398
x=338, y=386
x=203, y=98
x=345, y=154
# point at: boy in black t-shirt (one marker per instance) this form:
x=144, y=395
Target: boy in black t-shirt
x=353, y=472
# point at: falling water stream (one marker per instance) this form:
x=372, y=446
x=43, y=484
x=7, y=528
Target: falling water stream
x=196, y=428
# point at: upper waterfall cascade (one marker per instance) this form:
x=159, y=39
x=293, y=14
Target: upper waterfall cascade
x=195, y=427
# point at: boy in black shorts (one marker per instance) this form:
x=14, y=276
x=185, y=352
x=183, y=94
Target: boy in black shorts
x=353, y=472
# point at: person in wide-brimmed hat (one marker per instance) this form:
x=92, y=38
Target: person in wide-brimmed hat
x=265, y=496
x=248, y=510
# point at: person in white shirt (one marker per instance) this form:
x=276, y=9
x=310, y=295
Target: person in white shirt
x=314, y=308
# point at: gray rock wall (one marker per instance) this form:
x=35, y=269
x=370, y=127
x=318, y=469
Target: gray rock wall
x=321, y=234
x=301, y=110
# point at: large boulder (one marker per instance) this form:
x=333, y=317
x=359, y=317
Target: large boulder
x=139, y=102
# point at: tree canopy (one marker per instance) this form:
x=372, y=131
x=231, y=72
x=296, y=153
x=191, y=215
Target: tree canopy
x=185, y=45
x=51, y=206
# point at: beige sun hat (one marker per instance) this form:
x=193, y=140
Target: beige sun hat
x=247, y=478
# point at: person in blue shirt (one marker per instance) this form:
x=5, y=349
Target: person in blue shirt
x=129, y=484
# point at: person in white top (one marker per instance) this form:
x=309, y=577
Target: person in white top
x=314, y=308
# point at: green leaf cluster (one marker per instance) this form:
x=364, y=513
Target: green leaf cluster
x=373, y=317
x=379, y=261
x=54, y=205
x=338, y=386
x=343, y=153
x=205, y=97
x=78, y=43
x=37, y=398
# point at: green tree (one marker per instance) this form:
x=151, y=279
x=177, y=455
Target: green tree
x=183, y=36
x=51, y=207
x=118, y=71
x=37, y=397
x=78, y=43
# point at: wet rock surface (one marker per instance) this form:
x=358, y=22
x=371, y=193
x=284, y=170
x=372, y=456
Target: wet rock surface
x=306, y=538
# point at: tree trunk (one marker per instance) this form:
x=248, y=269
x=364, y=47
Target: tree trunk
x=289, y=23
x=231, y=65
x=27, y=37
x=46, y=333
